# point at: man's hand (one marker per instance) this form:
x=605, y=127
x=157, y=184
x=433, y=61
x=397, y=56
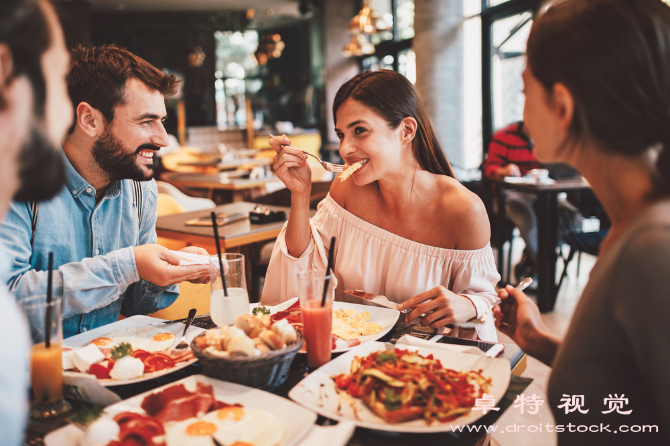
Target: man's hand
x=202, y=252
x=156, y=264
x=441, y=307
x=510, y=170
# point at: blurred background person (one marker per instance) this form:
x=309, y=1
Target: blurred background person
x=35, y=112
x=613, y=126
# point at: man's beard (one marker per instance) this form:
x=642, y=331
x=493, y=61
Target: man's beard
x=109, y=155
x=41, y=167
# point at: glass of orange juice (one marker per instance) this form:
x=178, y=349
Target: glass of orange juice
x=317, y=319
x=46, y=364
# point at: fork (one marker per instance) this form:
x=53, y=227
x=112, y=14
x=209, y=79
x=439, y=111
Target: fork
x=330, y=167
x=183, y=344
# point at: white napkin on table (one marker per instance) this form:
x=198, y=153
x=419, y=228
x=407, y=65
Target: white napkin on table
x=417, y=342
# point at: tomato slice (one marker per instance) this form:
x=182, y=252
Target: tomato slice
x=156, y=362
x=100, y=371
x=141, y=354
x=124, y=417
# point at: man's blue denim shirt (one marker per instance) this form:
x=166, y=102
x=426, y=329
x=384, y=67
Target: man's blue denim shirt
x=93, y=252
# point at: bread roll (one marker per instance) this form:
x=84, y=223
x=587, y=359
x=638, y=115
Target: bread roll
x=263, y=348
x=271, y=339
x=251, y=325
x=288, y=334
x=232, y=333
x=277, y=326
x=241, y=346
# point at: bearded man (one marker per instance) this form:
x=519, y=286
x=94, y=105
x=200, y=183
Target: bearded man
x=101, y=226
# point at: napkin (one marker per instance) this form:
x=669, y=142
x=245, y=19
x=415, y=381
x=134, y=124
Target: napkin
x=337, y=435
x=187, y=258
x=416, y=342
x=85, y=387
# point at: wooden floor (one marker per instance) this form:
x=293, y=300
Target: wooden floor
x=557, y=321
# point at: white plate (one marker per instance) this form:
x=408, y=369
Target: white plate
x=83, y=339
x=341, y=406
x=297, y=420
x=385, y=317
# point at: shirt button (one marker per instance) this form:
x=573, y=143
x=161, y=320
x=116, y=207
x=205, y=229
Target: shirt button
x=84, y=329
x=97, y=251
x=89, y=190
x=74, y=191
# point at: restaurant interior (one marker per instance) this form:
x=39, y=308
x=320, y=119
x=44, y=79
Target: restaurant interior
x=259, y=67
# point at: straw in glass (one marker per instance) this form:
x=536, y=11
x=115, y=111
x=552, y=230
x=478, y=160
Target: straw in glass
x=47, y=319
x=328, y=268
x=218, y=251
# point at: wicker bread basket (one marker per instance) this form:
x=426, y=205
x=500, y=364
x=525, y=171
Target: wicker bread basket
x=265, y=372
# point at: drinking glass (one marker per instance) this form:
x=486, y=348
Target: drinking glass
x=46, y=364
x=224, y=309
x=317, y=320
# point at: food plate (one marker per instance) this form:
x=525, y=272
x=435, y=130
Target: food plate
x=297, y=420
x=318, y=391
x=385, y=317
x=83, y=339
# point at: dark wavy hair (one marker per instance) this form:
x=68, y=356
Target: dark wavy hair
x=25, y=30
x=394, y=98
x=614, y=57
x=98, y=77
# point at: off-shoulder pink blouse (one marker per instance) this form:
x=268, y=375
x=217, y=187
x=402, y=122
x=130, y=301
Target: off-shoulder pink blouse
x=374, y=260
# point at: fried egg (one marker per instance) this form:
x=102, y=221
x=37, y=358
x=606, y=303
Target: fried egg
x=151, y=339
x=257, y=427
x=191, y=432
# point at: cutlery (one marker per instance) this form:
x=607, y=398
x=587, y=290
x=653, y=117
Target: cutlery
x=176, y=321
x=330, y=167
x=479, y=321
x=183, y=344
x=374, y=298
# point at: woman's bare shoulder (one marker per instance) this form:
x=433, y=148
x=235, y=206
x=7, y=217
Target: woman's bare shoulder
x=466, y=214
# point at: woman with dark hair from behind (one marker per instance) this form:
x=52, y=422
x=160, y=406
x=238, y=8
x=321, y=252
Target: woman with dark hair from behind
x=597, y=87
x=404, y=226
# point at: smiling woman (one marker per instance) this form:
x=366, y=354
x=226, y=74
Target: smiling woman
x=404, y=226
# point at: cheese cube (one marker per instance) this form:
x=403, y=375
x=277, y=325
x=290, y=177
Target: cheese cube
x=67, y=360
x=84, y=357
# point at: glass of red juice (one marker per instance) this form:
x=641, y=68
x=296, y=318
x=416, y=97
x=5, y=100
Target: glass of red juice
x=317, y=319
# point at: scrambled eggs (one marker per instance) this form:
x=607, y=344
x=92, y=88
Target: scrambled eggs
x=349, y=325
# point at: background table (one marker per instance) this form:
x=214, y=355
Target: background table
x=219, y=188
x=546, y=209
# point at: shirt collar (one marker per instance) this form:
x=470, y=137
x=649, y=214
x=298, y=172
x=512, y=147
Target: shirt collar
x=78, y=185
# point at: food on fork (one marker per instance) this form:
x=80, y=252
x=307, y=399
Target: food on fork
x=401, y=385
x=352, y=168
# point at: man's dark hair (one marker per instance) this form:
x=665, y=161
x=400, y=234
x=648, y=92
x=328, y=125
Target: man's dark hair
x=99, y=74
x=25, y=30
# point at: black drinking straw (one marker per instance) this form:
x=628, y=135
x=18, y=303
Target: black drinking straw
x=218, y=251
x=328, y=268
x=47, y=319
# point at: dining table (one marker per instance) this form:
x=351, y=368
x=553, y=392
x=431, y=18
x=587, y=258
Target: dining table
x=546, y=209
x=37, y=430
x=221, y=187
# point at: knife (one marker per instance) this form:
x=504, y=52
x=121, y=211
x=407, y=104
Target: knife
x=374, y=298
x=202, y=316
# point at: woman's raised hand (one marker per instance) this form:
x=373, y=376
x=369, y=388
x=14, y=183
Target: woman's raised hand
x=290, y=165
x=441, y=307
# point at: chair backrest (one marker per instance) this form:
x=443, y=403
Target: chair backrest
x=189, y=204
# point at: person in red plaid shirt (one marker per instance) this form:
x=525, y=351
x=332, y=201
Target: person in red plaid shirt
x=511, y=155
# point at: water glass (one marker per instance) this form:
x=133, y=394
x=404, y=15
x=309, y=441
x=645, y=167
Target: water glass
x=224, y=309
x=46, y=364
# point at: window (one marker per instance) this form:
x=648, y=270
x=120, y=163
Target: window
x=236, y=69
x=393, y=47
